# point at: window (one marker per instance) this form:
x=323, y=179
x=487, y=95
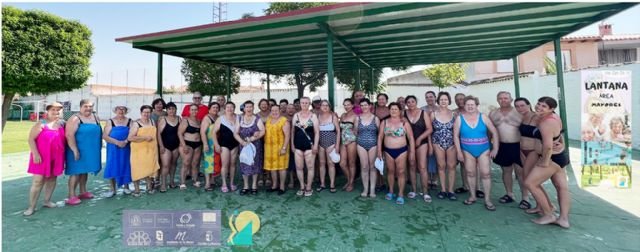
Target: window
x=504, y=66
x=566, y=58
x=614, y=56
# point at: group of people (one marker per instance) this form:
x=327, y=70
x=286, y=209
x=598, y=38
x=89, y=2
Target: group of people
x=306, y=137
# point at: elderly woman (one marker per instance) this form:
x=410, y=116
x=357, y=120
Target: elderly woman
x=381, y=110
x=158, y=106
x=471, y=137
x=118, y=168
x=442, y=144
x=616, y=128
x=396, y=136
x=276, y=149
x=190, y=147
x=348, y=150
x=168, y=143
x=212, y=162
x=250, y=130
x=264, y=107
x=144, y=150
x=46, y=160
x=329, y=138
x=305, y=138
x=226, y=144
x=550, y=164
x=367, y=132
x=421, y=125
x=83, y=155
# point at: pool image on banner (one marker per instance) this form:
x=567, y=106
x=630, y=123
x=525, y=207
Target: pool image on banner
x=606, y=129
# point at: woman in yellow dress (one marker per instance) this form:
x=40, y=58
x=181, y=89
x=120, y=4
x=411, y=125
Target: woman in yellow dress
x=276, y=149
x=144, y=150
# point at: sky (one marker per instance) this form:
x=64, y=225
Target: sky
x=120, y=64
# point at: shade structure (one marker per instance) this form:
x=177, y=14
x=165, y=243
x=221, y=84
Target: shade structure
x=377, y=35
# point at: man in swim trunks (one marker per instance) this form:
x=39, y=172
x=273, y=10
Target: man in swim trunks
x=507, y=121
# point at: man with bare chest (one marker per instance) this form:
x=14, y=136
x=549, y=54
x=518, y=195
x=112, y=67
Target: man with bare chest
x=507, y=121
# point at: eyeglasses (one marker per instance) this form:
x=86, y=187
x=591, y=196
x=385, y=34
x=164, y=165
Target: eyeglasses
x=197, y=98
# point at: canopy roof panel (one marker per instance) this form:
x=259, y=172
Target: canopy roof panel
x=377, y=34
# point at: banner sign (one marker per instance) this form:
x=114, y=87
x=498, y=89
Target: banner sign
x=606, y=128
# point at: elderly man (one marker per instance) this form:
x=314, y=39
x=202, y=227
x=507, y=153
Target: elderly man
x=507, y=122
x=203, y=110
x=431, y=106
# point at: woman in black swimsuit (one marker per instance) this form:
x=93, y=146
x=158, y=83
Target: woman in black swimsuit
x=226, y=144
x=190, y=147
x=168, y=143
x=305, y=138
x=422, y=129
x=550, y=164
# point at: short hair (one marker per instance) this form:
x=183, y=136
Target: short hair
x=552, y=103
x=397, y=105
x=252, y=104
x=273, y=100
x=296, y=100
x=260, y=102
x=230, y=103
x=365, y=100
x=525, y=100
x=196, y=92
x=305, y=98
x=459, y=94
x=383, y=94
x=411, y=97
x=171, y=105
x=85, y=101
x=214, y=104
x=472, y=98
x=430, y=92
x=614, y=120
x=146, y=107
x=194, y=105
x=503, y=92
x=159, y=100
x=285, y=101
x=327, y=102
x=444, y=93
x=348, y=100
x=275, y=105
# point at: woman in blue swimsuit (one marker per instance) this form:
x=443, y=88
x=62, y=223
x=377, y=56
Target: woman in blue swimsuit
x=367, y=132
x=396, y=136
x=472, y=146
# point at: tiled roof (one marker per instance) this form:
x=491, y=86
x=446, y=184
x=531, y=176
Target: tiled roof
x=621, y=37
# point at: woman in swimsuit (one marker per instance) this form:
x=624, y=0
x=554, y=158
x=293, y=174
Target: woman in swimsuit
x=212, y=163
x=250, y=130
x=396, y=136
x=348, y=144
x=168, y=142
x=421, y=126
x=470, y=135
x=304, y=139
x=550, y=164
x=226, y=144
x=382, y=112
x=158, y=106
x=443, y=119
x=143, y=136
x=367, y=132
x=329, y=137
x=118, y=167
x=264, y=107
x=190, y=147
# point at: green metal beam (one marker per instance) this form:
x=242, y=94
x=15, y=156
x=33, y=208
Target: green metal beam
x=228, y=82
x=327, y=29
x=516, y=76
x=159, y=86
x=330, y=70
x=561, y=96
x=357, y=73
x=268, y=87
x=372, y=88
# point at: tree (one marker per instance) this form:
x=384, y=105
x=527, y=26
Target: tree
x=247, y=15
x=275, y=8
x=209, y=79
x=444, y=75
x=41, y=54
x=302, y=80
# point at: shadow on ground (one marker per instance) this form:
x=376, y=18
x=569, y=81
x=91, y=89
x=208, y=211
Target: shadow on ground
x=325, y=221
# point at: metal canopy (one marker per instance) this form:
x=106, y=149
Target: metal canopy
x=377, y=35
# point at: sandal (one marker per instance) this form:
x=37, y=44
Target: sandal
x=173, y=186
x=319, y=189
x=152, y=191
x=254, y=191
x=442, y=195
x=308, y=193
x=208, y=189
x=224, y=189
x=491, y=207
x=390, y=196
x=426, y=198
x=524, y=205
x=479, y=194
x=234, y=187
x=281, y=192
x=183, y=187
x=411, y=195
x=196, y=184
x=506, y=199
x=469, y=202
x=300, y=192
x=332, y=190
x=452, y=196
x=244, y=191
x=163, y=190
x=461, y=190
x=136, y=194
x=400, y=201
x=73, y=201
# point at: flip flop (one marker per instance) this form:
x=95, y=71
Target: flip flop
x=224, y=189
x=442, y=195
x=469, y=202
x=332, y=190
x=400, y=201
x=461, y=190
x=319, y=189
x=524, y=205
x=452, y=196
x=183, y=187
x=300, y=192
x=506, y=199
x=491, y=207
x=479, y=194
x=254, y=191
x=244, y=191
x=390, y=196
x=426, y=198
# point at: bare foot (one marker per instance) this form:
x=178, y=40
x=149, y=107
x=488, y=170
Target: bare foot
x=533, y=211
x=563, y=222
x=363, y=194
x=349, y=188
x=544, y=220
x=29, y=212
x=49, y=205
x=372, y=195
